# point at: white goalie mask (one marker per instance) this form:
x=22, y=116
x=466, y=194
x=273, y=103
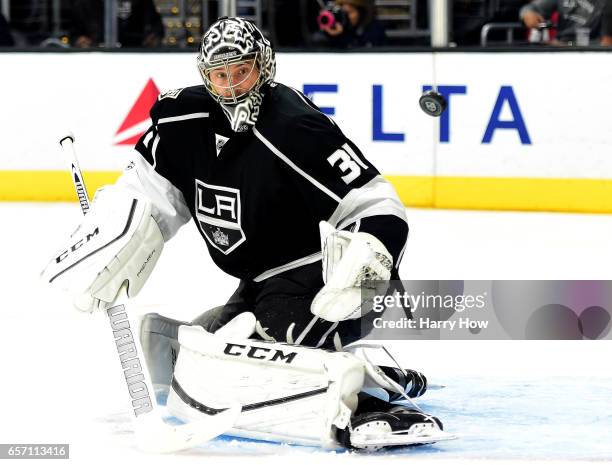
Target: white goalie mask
x=235, y=61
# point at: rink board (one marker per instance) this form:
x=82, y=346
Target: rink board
x=515, y=136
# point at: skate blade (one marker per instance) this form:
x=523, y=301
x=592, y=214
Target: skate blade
x=422, y=434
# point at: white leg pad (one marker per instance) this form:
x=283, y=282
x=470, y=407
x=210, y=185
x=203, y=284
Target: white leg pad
x=291, y=394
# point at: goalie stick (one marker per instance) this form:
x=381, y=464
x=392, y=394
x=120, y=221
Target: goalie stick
x=152, y=433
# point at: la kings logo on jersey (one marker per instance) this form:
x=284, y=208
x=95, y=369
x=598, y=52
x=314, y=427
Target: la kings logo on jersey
x=218, y=215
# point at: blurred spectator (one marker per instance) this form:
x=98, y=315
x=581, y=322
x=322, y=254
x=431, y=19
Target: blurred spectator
x=469, y=16
x=606, y=25
x=577, y=18
x=138, y=24
x=292, y=22
x=355, y=25
x=6, y=39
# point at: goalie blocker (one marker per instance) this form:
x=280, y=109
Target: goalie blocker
x=117, y=242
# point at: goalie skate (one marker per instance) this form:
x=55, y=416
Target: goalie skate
x=398, y=427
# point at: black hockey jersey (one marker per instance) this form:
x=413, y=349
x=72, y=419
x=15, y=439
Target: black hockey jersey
x=257, y=197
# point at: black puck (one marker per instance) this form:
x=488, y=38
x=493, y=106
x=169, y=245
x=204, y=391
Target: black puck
x=432, y=103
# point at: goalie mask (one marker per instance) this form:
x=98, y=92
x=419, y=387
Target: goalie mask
x=235, y=61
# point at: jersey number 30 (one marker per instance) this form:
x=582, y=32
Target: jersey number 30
x=349, y=163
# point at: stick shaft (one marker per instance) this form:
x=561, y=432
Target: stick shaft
x=67, y=144
x=139, y=385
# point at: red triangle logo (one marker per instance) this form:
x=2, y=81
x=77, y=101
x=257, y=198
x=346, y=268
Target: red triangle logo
x=138, y=115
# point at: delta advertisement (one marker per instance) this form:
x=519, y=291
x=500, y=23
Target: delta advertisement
x=518, y=132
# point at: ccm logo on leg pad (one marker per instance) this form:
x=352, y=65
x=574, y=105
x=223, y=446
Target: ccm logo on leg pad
x=259, y=353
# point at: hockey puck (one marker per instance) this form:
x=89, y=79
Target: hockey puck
x=432, y=103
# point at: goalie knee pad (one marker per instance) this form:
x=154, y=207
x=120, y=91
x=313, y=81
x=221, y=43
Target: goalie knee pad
x=160, y=344
x=288, y=393
x=159, y=339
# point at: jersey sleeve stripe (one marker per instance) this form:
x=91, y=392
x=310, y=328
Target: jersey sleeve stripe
x=301, y=172
x=377, y=197
x=173, y=119
x=148, y=138
x=154, y=150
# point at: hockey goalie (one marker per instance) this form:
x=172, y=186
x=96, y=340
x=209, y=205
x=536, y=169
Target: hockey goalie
x=289, y=205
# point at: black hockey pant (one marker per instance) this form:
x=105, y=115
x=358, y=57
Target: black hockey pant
x=280, y=301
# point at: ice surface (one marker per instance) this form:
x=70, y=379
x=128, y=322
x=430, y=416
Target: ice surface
x=527, y=401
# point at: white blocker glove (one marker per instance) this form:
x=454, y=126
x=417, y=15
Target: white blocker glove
x=117, y=241
x=350, y=261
